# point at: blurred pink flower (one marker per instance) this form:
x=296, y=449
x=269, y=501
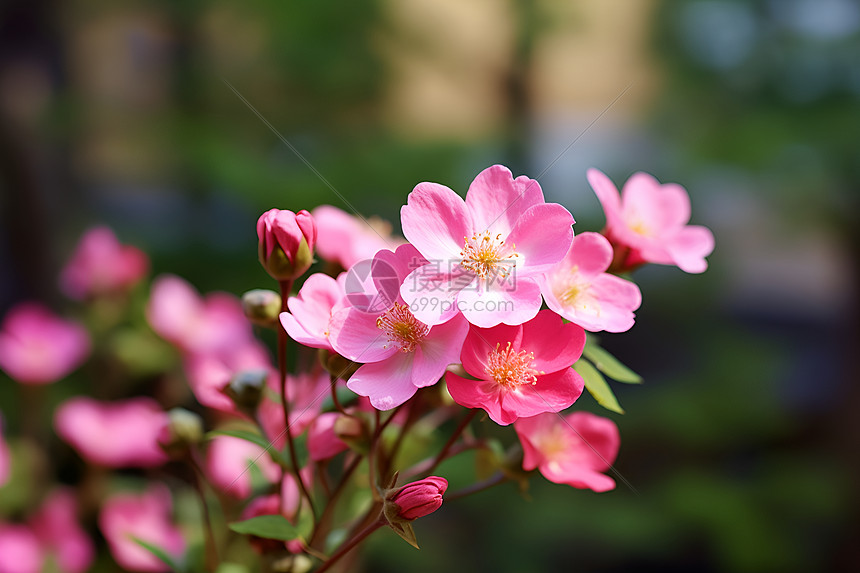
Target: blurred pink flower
x=345, y=239
x=56, y=525
x=117, y=434
x=178, y=313
x=400, y=353
x=287, y=240
x=580, y=290
x=419, y=498
x=521, y=370
x=306, y=392
x=102, y=265
x=227, y=463
x=573, y=450
x=209, y=372
x=323, y=442
x=125, y=517
x=19, y=550
x=5, y=457
x=308, y=321
x=485, y=252
x=38, y=347
x=650, y=219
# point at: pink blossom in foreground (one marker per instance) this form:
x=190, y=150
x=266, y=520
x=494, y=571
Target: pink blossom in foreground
x=346, y=239
x=419, y=498
x=227, y=465
x=178, y=313
x=125, y=517
x=400, y=353
x=286, y=242
x=573, y=450
x=38, y=347
x=123, y=433
x=209, y=372
x=102, y=265
x=19, y=550
x=484, y=253
x=521, y=370
x=323, y=442
x=650, y=219
x=308, y=321
x=5, y=457
x=56, y=525
x=580, y=289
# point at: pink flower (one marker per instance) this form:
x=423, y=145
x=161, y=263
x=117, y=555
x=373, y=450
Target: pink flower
x=400, y=353
x=345, y=239
x=650, y=219
x=56, y=525
x=117, y=434
x=5, y=458
x=580, y=290
x=287, y=240
x=209, y=372
x=146, y=516
x=323, y=442
x=227, y=465
x=38, y=347
x=573, y=450
x=101, y=265
x=195, y=324
x=311, y=310
x=485, y=253
x=19, y=550
x=419, y=498
x=521, y=370
x=306, y=393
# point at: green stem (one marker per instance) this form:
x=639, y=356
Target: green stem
x=349, y=545
x=494, y=480
x=464, y=422
x=211, y=548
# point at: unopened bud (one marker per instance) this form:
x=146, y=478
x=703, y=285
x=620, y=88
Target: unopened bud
x=246, y=389
x=183, y=430
x=337, y=365
x=415, y=499
x=262, y=307
x=286, y=243
x=354, y=431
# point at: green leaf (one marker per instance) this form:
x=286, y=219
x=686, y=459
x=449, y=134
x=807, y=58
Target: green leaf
x=609, y=365
x=597, y=386
x=267, y=526
x=250, y=437
x=158, y=552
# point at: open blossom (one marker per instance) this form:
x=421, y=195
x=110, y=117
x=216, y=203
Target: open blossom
x=484, y=253
x=38, y=347
x=400, y=353
x=125, y=517
x=650, y=219
x=346, y=239
x=308, y=321
x=123, y=433
x=573, y=450
x=102, y=265
x=580, y=289
x=178, y=313
x=60, y=535
x=227, y=463
x=521, y=370
x=287, y=240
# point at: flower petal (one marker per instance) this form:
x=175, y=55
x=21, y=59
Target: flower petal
x=387, y=383
x=496, y=200
x=556, y=344
x=431, y=292
x=436, y=221
x=440, y=348
x=500, y=303
x=607, y=194
x=541, y=237
x=354, y=334
x=690, y=247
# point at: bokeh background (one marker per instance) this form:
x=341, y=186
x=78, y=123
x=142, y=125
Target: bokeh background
x=742, y=445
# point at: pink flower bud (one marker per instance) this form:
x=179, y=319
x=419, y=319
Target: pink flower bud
x=287, y=240
x=419, y=498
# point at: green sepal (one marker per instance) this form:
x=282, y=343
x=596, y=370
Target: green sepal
x=608, y=364
x=596, y=385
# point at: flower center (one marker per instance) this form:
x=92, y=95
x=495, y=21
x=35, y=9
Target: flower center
x=574, y=293
x=511, y=369
x=401, y=327
x=488, y=256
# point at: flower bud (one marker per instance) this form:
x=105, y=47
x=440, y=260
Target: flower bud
x=262, y=307
x=337, y=365
x=354, y=431
x=246, y=389
x=287, y=240
x=183, y=430
x=415, y=499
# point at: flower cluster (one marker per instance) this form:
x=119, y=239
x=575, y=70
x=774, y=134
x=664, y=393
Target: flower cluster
x=484, y=313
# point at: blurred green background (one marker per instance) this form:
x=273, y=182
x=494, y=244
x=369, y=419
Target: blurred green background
x=741, y=449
